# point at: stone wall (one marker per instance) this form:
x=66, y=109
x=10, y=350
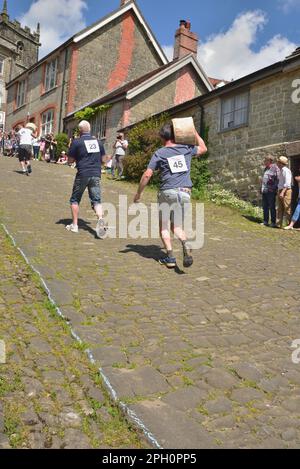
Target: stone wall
x=236, y=156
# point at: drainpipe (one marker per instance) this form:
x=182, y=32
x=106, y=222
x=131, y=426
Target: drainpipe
x=63, y=91
x=202, y=127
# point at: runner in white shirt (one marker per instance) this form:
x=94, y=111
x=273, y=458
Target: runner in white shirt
x=25, y=135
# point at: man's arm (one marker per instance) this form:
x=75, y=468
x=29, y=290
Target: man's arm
x=200, y=145
x=144, y=181
x=71, y=153
x=287, y=184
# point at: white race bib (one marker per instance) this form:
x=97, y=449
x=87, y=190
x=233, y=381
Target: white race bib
x=177, y=164
x=92, y=146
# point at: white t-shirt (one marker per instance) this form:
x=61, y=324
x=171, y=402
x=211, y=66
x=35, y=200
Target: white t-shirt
x=25, y=136
x=121, y=147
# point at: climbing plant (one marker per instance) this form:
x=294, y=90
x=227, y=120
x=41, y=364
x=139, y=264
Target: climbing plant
x=89, y=112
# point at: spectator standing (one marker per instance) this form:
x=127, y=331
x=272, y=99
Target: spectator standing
x=284, y=199
x=36, y=147
x=296, y=215
x=269, y=191
x=120, y=146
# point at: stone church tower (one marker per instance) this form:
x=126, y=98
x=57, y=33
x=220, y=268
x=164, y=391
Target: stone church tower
x=19, y=48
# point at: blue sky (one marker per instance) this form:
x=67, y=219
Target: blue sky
x=253, y=33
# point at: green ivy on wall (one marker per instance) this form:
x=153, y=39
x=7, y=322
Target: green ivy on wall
x=89, y=112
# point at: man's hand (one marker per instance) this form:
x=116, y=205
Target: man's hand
x=282, y=194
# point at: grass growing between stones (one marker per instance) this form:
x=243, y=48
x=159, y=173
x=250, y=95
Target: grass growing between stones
x=39, y=344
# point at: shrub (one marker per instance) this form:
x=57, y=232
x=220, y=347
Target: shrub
x=221, y=196
x=144, y=137
x=62, y=143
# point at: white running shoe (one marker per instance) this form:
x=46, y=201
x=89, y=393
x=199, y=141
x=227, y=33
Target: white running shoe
x=73, y=228
x=101, y=229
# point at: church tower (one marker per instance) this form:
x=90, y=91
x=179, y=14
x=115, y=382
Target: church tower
x=19, y=49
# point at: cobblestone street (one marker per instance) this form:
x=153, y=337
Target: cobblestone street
x=203, y=357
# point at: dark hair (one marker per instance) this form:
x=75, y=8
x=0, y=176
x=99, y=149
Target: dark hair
x=167, y=132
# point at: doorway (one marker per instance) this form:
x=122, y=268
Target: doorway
x=295, y=168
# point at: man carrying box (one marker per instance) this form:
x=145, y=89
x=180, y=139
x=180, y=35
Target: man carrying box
x=173, y=161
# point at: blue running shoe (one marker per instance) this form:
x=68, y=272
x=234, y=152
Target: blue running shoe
x=169, y=262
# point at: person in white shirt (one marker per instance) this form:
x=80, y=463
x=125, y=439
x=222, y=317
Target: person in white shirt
x=24, y=135
x=284, y=199
x=120, y=146
x=36, y=147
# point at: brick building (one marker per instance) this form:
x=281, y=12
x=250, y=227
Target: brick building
x=19, y=49
x=113, y=51
x=115, y=61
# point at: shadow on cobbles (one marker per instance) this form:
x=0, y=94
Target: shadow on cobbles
x=19, y=172
x=83, y=225
x=152, y=251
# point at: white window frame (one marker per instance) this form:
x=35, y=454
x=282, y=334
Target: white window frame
x=1, y=66
x=50, y=80
x=21, y=93
x=234, y=110
x=2, y=93
x=99, y=125
x=47, y=122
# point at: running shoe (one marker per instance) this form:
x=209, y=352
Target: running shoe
x=29, y=169
x=187, y=260
x=73, y=228
x=101, y=229
x=169, y=262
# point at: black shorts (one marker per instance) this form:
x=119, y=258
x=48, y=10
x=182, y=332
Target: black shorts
x=24, y=152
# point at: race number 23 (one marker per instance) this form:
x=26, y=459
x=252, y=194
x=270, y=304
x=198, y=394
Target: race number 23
x=92, y=146
x=177, y=164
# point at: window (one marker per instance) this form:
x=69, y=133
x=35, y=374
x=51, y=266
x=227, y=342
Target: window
x=21, y=93
x=50, y=75
x=98, y=125
x=1, y=66
x=235, y=111
x=47, y=122
x=2, y=88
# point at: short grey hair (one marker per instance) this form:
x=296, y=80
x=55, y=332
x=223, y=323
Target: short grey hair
x=270, y=158
x=84, y=126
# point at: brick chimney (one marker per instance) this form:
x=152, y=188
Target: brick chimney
x=186, y=42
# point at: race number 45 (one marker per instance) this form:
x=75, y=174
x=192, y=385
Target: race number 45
x=92, y=146
x=177, y=164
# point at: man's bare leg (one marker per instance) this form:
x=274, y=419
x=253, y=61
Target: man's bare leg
x=101, y=229
x=75, y=213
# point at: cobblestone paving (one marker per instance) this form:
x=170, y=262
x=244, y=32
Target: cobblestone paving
x=203, y=356
x=49, y=396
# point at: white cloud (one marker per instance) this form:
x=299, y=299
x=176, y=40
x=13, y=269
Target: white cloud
x=59, y=19
x=288, y=5
x=230, y=55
